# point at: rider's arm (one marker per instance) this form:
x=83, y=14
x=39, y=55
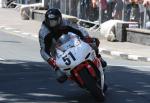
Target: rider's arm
x=84, y=35
x=76, y=31
x=45, y=43
x=42, y=35
x=75, y=28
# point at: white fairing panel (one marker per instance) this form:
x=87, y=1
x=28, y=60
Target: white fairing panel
x=72, y=51
x=74, y=54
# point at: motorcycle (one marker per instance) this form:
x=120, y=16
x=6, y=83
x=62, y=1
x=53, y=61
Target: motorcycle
x=78, y=61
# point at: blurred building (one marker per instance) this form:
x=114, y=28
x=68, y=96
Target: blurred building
x=28, y=1
x=1, y=5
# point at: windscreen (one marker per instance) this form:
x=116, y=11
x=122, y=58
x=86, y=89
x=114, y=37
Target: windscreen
x=67, y=41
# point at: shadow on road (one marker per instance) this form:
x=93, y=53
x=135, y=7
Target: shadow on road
x=27, y=81
x=128, y=85
x=30, y=82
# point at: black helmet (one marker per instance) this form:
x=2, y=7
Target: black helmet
x=53, y=17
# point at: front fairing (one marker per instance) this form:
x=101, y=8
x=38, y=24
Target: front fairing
x=72, y=53
x=76, y=54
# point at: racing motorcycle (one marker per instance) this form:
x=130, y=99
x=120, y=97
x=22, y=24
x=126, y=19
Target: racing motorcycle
x=78, y=61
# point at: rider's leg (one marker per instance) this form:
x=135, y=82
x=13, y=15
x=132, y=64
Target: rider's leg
x=61, y=76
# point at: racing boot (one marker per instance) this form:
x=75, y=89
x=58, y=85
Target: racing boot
x=61, y=76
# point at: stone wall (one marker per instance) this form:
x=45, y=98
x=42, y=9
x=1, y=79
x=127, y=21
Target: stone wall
x=140, y=36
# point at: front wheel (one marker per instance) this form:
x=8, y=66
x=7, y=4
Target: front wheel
x=91, y=85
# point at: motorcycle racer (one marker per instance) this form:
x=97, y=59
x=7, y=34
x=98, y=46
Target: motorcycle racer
x=51, y=29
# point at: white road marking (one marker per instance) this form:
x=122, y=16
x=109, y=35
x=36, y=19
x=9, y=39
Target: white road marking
x=1, y=59
x=133, y=57
x=36, y=36
x=17, y=31
x=25, y=33
x=148, y=59
x=116, y=53
x=7, y=28
x=40, y=94
x=2, y=27
x=2, y=99
x=101, y=49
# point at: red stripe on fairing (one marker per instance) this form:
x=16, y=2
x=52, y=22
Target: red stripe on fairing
x=89, y=68
x=91, y=71
x=76, y=73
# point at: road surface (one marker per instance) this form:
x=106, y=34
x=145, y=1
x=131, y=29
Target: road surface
x=26, y=78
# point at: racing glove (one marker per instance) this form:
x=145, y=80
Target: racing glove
x=88, y=39
x=91, y=40
x=61, y=76
x=52, y=62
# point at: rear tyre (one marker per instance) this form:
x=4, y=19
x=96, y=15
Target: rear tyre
x=92, y=86
x=105, y=86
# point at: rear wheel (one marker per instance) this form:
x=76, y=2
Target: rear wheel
x=105, y=86
x=91, y=85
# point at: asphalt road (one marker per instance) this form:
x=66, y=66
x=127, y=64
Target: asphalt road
x=26, y=78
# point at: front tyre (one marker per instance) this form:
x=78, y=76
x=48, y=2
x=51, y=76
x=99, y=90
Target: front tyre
x=91, y=85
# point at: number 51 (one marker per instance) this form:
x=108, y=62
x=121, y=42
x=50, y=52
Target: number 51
x=67, y=60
